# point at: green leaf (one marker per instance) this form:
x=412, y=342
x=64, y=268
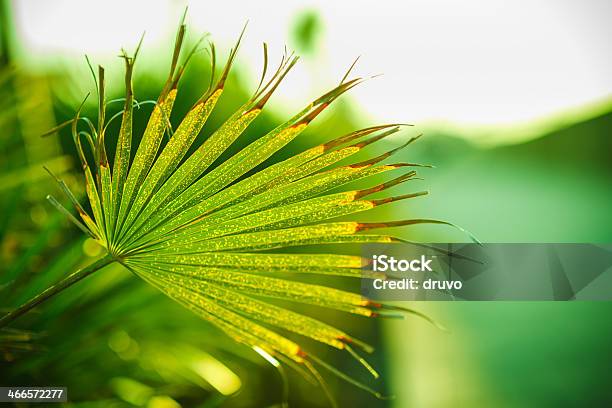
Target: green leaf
x=216, y=239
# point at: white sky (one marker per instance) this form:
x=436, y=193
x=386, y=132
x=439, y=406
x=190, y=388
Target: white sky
x=475, y=62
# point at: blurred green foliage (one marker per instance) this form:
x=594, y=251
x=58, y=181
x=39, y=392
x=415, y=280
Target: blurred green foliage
x=307, y=31
x=556, y=188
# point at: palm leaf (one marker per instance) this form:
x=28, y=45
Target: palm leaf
x=208, y=237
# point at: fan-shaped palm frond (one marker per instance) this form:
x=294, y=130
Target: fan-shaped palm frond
x=208, y=235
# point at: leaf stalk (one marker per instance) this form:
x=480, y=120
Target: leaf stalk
x=55, y=289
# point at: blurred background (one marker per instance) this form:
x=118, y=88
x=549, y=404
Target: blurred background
x=515, y=103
